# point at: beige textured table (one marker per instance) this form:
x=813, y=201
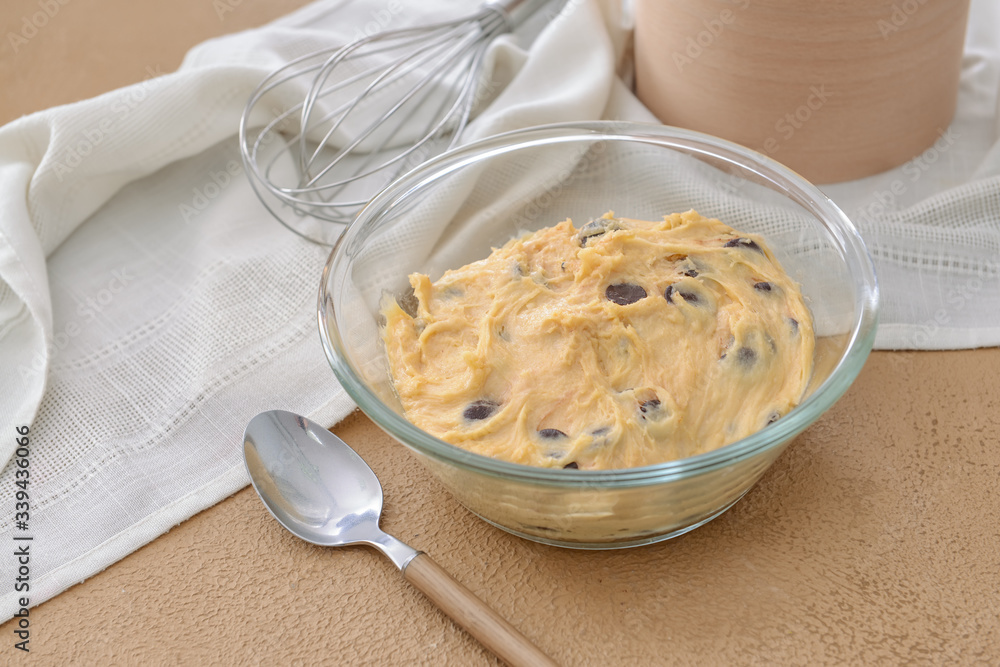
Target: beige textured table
x=873, y=540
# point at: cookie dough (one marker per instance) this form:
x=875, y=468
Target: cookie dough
x=623, y=343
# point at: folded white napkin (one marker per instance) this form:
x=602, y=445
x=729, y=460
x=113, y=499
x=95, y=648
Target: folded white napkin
x=149, y=306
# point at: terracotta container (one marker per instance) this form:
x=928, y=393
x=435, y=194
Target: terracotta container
x=835, y=89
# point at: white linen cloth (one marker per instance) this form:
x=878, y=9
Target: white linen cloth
x=149, y=307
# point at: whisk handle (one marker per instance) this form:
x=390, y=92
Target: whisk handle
x=515, y=12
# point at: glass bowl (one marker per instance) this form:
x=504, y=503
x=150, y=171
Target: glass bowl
x=453, y=209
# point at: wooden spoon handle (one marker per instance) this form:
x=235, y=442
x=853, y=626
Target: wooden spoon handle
x=472, y=614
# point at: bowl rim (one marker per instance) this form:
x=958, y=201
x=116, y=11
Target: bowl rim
x=790, y=183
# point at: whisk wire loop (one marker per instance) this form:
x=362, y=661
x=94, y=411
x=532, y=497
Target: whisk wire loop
x=370, y=110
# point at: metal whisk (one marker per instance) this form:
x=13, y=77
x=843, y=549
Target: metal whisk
x=369, y=111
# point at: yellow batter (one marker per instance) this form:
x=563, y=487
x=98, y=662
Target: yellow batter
x=623, y=343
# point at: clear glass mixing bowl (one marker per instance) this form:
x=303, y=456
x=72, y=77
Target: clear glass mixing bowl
x=456, y=207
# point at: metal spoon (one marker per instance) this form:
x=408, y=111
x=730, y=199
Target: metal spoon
x=318, y=488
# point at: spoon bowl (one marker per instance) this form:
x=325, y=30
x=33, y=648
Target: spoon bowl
x=315, y=485
x=323, y=492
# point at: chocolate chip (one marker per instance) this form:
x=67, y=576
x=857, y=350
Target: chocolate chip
x=742, y=243
x=480, y=410
x=687, y=295
x=795, y=324
x=746, y=356
x=651, y=409
x=692, y=273
x=572, y=465
x=597, y=227
x=551, y=433
x=762, y=286
x=649, y=406
x=601, y=436
x=544, y=529
x=775, y=416
x=624, y=293
x=729, y=344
